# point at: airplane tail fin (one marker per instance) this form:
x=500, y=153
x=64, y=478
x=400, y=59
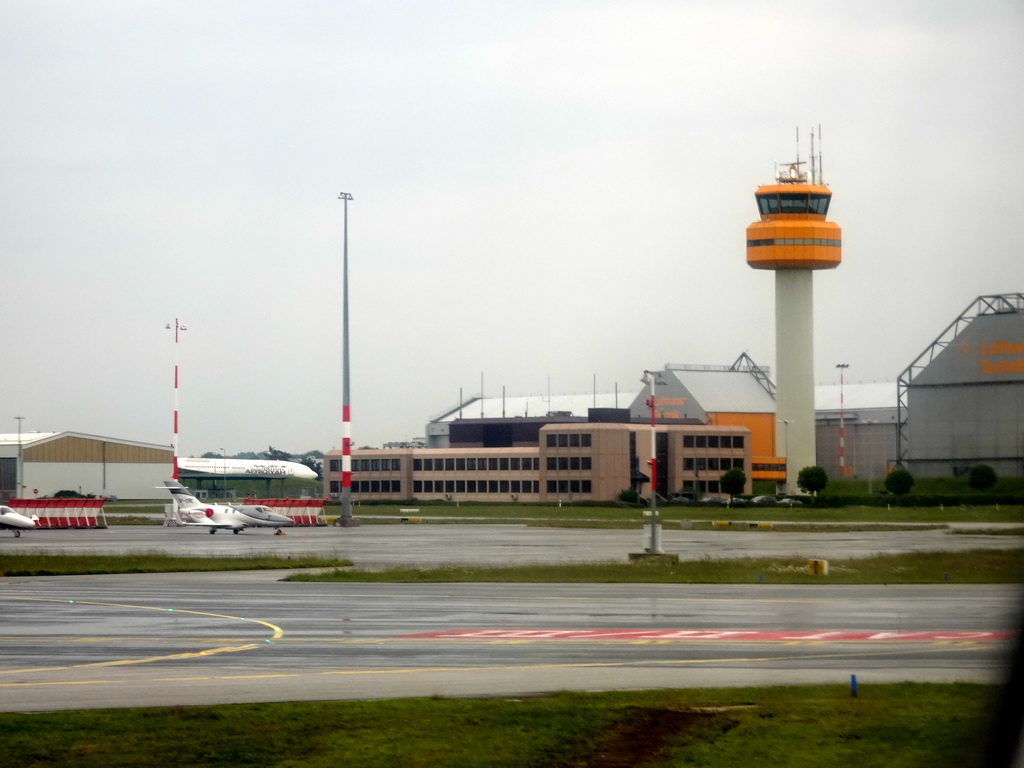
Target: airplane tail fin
x=181, y=496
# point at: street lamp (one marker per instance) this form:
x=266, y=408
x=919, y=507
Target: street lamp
x=20, y=466
x=785, y=450
x=177, y=328
x=346, y=411
x=654, y=538
x=842, y=421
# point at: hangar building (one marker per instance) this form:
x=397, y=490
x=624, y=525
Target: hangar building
x=89, y=464
x=961, y=402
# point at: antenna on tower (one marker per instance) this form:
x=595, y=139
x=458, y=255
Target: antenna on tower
x=821, y=165
x=814, y=172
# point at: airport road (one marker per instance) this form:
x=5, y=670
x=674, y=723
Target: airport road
x=433, y=544
x=177, y=639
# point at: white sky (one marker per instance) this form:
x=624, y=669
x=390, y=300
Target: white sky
x=550, y=190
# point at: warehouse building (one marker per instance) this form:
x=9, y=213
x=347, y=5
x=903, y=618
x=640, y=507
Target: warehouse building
x=961, y=402
x=88, y=464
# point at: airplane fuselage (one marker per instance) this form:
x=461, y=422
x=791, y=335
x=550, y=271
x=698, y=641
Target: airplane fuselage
x=246, y=468
x=15, y=521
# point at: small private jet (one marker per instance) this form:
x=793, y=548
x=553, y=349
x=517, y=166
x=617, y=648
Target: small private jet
x=15, y=521
x=220, y=517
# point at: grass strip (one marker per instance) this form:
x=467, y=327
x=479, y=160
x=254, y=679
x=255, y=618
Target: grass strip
x=971, y=567
x=72, y=565
x=518, y=513
x=895, y=726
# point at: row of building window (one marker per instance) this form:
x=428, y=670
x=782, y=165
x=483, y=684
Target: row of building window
x=581, y=463
x=794, y=241
x=568, y=440
x=491, y=464
x=712, y=463
x=370, y=486
x=476, y=486
x=769, y=467
x=704, y=486
x=569, y=486
x=712, y=441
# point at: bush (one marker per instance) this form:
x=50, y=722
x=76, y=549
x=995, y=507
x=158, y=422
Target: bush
x=899, y=482
x=981, y=477
x=629, y=496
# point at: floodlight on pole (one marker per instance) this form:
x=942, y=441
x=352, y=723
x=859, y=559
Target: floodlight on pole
x=19, y=468
x=346, y=407
x=654, y=533
x=842, y=421
x=178, y=327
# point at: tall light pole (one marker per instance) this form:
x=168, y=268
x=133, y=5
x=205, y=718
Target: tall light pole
x=178, y=327
x=842, y=421
x=346, y=409
x=785, y=449
x=654, y=538
x=19, y=468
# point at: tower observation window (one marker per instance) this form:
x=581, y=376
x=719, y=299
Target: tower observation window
x=793, y=202
x=768, y=204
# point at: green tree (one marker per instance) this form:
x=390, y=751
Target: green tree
x=899, y=482
x=733, y=481
x=811, y=480
x=274, y=454
x=981, y=477
x=317, y=465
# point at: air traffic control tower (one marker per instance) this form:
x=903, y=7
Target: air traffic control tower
x=793, y=238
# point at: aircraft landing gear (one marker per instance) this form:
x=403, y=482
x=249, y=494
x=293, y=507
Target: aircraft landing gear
x=236, y=530
x=213, y=531
x=17, y=533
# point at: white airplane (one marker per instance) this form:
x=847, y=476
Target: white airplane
x=216, y=517
x=16, y=521
x=246, y=468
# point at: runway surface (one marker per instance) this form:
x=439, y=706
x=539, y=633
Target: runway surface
x=434, y=544
x=177, y=639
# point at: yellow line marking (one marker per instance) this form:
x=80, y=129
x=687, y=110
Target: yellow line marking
x=278, y=634
x=498, y=668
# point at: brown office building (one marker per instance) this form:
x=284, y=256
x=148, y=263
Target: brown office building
x=551, y=459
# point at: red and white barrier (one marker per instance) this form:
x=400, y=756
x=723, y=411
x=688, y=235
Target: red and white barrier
x=62, y=513
x=301, y=511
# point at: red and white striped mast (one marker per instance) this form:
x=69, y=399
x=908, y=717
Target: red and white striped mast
x=842, y=421
x=178, y=327
x=346, y=408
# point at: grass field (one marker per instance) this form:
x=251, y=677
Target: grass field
x=69, y=565
x=975, y=567
x=895, y=726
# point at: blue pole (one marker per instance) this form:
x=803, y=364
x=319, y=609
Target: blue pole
x=853, y=686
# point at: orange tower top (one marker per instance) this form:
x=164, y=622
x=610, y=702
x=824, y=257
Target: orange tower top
x=792, y=232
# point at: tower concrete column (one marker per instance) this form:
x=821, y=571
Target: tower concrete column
x=794, y=361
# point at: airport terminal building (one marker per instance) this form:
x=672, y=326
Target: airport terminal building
x=564, y=459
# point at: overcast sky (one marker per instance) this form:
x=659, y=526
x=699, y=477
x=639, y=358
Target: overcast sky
x=543, y=192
